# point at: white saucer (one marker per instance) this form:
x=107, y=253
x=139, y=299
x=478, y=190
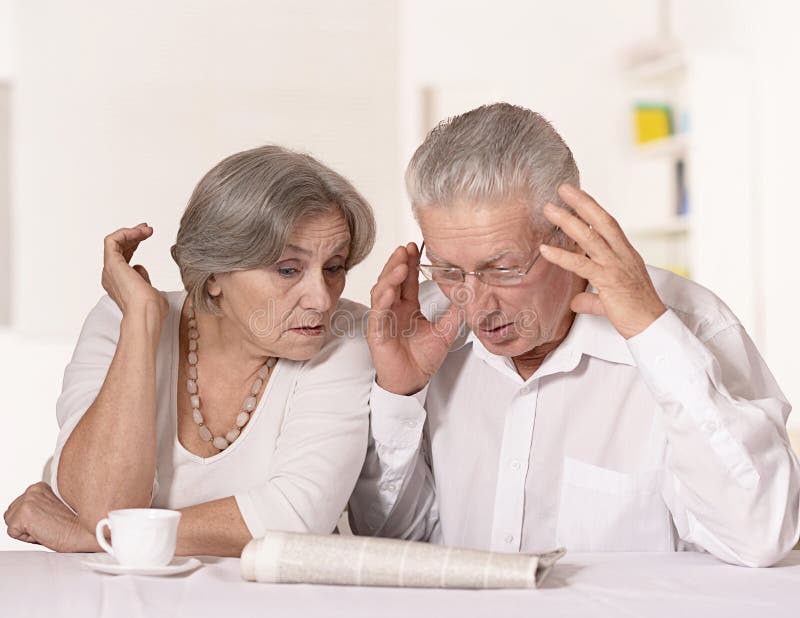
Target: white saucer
x=103, y=563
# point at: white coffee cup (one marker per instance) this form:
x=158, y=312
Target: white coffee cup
x=140, y=537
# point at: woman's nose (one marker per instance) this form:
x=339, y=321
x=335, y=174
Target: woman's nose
x=316, y=295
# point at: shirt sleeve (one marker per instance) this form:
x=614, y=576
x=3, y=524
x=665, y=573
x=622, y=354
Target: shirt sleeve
x=85, y=374
x=732, y=482
x=321, y=446
x=395, y=495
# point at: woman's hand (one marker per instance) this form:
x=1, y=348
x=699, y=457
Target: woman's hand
x=406, y=348
x=129, y=286
x=38, y=516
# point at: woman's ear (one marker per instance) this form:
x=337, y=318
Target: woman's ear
x=213, y=287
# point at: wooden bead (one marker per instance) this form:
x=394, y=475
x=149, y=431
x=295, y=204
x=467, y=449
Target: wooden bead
x=263, y=372
x=257, y=386
x=194, y=400
x=205, y=433
x=193, y=372
x=271, y=361
x=193, y=334
x=250, y=404
x=192, y=358
x=198, y=418
x=233, y=434
x=242, y=419
x=220, y=443
x=191, y=386
x=192, y=345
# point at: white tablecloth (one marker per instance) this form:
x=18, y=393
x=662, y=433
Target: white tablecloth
x=47, y=585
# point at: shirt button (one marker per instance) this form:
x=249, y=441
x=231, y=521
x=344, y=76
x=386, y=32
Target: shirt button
x=508, y=539
x=524, y=390
x=515, y=465
x=411, y=424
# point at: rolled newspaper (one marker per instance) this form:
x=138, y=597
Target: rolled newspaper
x=293, y=558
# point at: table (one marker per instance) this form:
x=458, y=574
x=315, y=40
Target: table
x=678, y=585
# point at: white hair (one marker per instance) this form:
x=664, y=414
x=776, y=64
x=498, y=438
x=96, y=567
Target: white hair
x=494, y=153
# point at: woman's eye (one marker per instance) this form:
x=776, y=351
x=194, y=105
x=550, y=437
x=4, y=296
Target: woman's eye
x=335, y=269
x=287, y=272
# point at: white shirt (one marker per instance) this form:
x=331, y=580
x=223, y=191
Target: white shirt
x=296, y=461
x=673, y=439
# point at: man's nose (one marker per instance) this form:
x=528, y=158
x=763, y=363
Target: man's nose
x=475, y=294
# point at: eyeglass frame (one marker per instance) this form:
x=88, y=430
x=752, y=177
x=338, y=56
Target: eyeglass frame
x=479, y=274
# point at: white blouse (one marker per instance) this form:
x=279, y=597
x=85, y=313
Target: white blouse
x=296, y=461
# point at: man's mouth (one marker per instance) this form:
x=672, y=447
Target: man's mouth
x=309, y=331
x=499, y=331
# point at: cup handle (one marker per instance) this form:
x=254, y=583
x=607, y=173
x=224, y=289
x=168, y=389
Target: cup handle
x=101, y=537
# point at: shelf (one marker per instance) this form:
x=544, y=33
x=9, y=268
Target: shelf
x=660, y=68
x=675, y=146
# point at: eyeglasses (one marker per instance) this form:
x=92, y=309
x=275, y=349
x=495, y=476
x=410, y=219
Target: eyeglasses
x=490, y=276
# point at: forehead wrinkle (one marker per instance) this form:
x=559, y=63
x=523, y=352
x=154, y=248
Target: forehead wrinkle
x=339, y=248
x=432, y=256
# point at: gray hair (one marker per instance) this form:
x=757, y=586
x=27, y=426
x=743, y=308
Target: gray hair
x=241, y=213
x=492, y=153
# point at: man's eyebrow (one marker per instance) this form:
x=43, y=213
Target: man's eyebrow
x=432, y=256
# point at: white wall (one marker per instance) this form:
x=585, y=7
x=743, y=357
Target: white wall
x=777, y=54
x=764, y=34
x=561, y=59
x=123, y=106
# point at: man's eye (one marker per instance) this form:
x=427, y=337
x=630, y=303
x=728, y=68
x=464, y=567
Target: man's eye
x=287, y=272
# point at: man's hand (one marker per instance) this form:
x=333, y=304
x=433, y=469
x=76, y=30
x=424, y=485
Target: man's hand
x=625, y=292
x=406, y=348
x=38, y=516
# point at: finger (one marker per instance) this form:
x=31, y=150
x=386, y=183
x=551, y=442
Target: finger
x=391, y=281
x=587, y=302
x=142, y=272
x=448, y=324
x=15, y=532
x=398, y=256
x=595, y=215
x=12, y=508
x=573, y=262
x=148, y=231
x=125, y=241
x=409, y=289
x=587, y=237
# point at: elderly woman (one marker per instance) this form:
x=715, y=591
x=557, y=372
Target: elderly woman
x=235, y=400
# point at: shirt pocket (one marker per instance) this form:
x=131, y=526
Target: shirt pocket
x=605, y=510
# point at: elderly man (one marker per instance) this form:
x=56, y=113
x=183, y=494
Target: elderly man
x=590, y=402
